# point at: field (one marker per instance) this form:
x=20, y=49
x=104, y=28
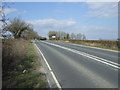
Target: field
x=107, y=44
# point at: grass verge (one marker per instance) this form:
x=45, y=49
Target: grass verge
x=105, y=44
x=19, y=61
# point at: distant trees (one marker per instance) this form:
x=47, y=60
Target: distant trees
x=30, y=34
x=52, y=33
x=72, y=36
x=78, y=36
x=60, y=35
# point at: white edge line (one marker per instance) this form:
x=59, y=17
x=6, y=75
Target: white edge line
x=53, y=75
x=49, y=83
x=74, y=51
x=96, y=48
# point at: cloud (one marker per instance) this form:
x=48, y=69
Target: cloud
x=9, y=10
x=44, y=25
x=71, y=26
x=98, y=32
x=52, y=24
x=102, y=9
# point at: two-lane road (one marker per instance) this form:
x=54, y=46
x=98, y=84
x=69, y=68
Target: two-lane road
x=81, y=67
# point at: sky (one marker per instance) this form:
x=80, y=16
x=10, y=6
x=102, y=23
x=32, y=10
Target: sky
x=97, y=20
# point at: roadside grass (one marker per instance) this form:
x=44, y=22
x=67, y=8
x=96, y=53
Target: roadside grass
x=105, y=44
x=18, y=64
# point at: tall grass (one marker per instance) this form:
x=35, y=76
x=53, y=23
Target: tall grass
x=108, y=44
x=13, y=53
x=18, y=58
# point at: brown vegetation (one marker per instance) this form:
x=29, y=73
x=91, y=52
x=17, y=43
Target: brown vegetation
x=108, y=44
x=18, y=59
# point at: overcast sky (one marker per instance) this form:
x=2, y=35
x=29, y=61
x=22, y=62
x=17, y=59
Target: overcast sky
x=96, y=20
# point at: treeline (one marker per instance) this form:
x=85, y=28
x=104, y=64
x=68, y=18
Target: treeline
x=20, y=29
x=60, y=35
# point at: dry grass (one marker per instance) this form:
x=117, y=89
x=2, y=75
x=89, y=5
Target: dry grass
x=13, y=51
x=107, y=44
x=18, y=58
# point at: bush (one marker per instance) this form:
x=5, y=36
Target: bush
x=13, y=52
x=18, y=57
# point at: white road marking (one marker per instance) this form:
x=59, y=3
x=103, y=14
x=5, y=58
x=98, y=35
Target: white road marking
x=96, y=58
x=49, y=83
x=93, y=47
x=53, y=75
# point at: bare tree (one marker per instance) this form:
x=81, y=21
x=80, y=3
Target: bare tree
x=79, y=36
x=30, y=34
x=83, y=37
x=52, y=33
x=60, y=35
x=17, y=27
x=73, y=36
x=3, y=19
x=68, y=36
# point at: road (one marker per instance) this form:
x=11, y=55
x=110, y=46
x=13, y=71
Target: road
x=81, y=67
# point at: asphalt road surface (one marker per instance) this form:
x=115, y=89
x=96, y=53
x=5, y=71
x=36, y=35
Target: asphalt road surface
x=81, y=67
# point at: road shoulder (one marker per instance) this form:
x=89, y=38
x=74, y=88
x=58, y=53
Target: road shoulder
x=51, y=79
